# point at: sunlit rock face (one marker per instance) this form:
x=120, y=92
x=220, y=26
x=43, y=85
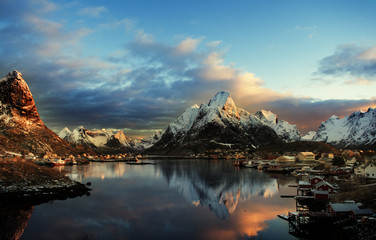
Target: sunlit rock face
x=21, y=129
x=210, y=187
x=356, y=130
x=17, y=105
x=220, y=124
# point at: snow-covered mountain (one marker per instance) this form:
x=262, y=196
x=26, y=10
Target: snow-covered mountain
x=309, y=136
x=219, y=123
x=283, y=129
x=358, y=129
x=81, y=135
x=106, y=140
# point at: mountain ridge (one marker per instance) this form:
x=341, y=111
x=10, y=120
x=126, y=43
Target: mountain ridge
x=220, y=124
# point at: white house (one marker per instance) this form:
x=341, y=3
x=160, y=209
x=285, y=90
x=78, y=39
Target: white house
x=370, y=170
x=359, y=170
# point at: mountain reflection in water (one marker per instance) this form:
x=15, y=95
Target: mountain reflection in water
x=184, y=199
x=216, y=186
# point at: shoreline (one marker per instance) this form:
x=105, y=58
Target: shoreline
x=23, y=182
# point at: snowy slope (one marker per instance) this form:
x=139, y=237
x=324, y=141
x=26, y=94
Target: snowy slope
x=185, y=121
x=81, y=135
x=283, y=129
x=358, y=129
x=107, y=139
x=309, y=136
x=221, y=122
x=147, y=142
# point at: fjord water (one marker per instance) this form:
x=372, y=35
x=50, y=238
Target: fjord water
x=171, y=199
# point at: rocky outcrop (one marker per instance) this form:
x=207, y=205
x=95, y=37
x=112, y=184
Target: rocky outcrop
x=21, y=129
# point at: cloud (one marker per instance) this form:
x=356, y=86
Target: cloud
x=350, y=60
x=93, y=11
x=143, y=84
x=187, y=46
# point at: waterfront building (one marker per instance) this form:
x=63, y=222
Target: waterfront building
x=306, y=156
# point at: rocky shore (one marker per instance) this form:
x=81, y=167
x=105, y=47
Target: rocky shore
x=25, y=182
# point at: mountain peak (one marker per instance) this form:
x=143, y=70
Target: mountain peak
x=224, y=101
x=267, y=115
x=220, y=99
x=64, y=132
x=20, y=125
x=17, y=102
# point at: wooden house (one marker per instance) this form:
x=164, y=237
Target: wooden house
x=306, y=156
x=342, y=210
x=370, y=170
x=324, y=186
x=285, y=159
x=320, y=195
x=315, y=180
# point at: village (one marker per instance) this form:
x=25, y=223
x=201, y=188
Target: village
x=321, y=179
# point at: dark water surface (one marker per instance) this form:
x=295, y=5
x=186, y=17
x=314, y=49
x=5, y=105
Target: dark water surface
x=172, y=199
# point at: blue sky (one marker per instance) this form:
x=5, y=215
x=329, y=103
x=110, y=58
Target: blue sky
x=136, y=65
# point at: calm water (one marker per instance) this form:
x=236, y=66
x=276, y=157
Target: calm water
x=173, y=199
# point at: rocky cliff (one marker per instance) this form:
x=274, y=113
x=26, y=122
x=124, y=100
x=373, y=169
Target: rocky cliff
x=21, y=129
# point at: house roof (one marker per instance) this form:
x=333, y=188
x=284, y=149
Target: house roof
x=307, y=153
x=370, y=164
x=324, y=183
x=304, y=183
x=343, y=207
x=287, y=157
x=365, y=211
x=316, y=177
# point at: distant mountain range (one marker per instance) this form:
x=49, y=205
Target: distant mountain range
x=106, y=141
x=356, y=130
x=216, y=124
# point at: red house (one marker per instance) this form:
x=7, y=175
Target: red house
x=324, y=186
x=320, y=195
x=304, y=185
x=315, y=180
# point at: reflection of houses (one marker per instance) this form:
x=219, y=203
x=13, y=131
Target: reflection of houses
x=306, y=156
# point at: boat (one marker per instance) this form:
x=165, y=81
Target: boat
x=263, y=165
x=58, y=162
x=277, y=168
x=283, y=216
x=250, y=164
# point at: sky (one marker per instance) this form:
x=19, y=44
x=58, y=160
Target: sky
x=137, y=65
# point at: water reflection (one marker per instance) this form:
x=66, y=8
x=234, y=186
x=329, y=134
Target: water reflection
x=98, y=171
x=182, y=199
x=13, y=221
x=216, y=185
